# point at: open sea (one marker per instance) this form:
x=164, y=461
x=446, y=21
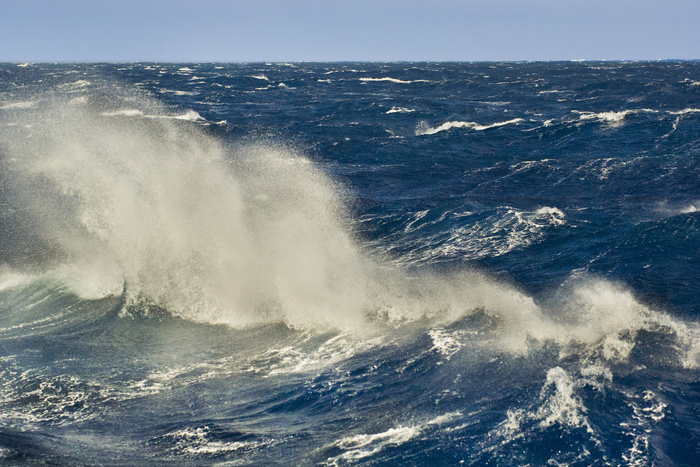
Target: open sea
x=330, y=264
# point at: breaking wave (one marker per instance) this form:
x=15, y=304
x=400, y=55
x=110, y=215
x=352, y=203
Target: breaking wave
x=424, y=129
x=253, y=234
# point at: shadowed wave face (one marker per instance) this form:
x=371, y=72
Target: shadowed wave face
x=414, y=294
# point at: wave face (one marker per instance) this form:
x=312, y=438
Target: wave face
x=385, y=264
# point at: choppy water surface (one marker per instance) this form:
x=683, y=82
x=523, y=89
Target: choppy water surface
x=340, y=264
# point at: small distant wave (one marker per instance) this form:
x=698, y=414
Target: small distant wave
x=497, y=103
x=190, y=116
x=691, y=82
x=552, y=91
x=424, y=129
x=260, y=76
x=402, y=110
x=178, y=93
x=612, y=118
x=394, y=80
x=685, y=111
x=506, y=229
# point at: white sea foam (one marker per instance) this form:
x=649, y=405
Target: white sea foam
x=558, y=404
x=686, y=111
x=424, y=129
x=361, y=446
x=32, y=399
x=445, y=342
x=402, y=110
x=260, y=76
x=197, y=441
x=292, y=359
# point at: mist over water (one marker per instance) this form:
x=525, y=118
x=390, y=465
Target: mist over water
x=200, y=263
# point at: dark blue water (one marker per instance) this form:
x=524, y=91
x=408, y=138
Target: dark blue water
x=354, y=263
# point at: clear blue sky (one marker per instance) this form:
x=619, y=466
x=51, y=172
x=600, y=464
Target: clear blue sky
x=332, y=30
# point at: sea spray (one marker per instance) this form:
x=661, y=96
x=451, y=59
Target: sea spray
x=241, y=238
x=247, y=235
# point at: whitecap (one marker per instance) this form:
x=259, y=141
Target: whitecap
x=506, y=230
x=424, y=129
x=178, y=92
x=393, y=80
x=685, y=111
x=691, y=82
x=402, y=110
x=190, y=115
x=611, y=118
x=445, y=343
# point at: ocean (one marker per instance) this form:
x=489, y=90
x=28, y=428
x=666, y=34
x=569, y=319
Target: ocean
x=334, y=264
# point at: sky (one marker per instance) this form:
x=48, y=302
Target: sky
x=349, y=30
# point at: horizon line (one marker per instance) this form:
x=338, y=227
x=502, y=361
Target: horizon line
x=585, y=60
